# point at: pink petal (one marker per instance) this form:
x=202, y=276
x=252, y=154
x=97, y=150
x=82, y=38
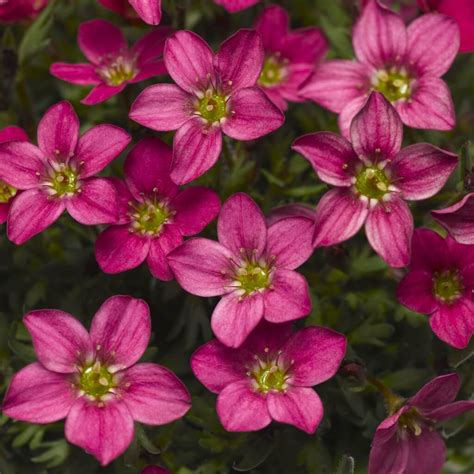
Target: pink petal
x=234, y=318
x=421, y=170
x=331, y=156
x=299, y=406
x=60, y=341
x=120, y=330
x=272, y=24
x=195, y=208
x=335, y=83
x=151, y=46
x=37, y=395
x=253, y=115
x=217, y=366
x=241, y=225
x=105, y=432
x=162, y=107
x=377, y=131
x=288, y=298
x=20, y=162
x=305, y=46
x=389, y=229
x=251, y=414
x=154, y=470
x=452, y=410
x=289, y=210
x=317, y=353
x=148, y=10
x=430, y=107
x=196, y=149
x=118, y=250
x=13, y=133
x=233, y=6
x=169, y=239
x=101, y=93
x=151, y=69
x=100, y=41
x=30, y=213
x=239, y=60
x=124, y=198
x=415, y=291
x=98, y=147
x=58, y=132
x=390, y=455
x=379, y=36
x=201, y=266
x=4, y=209
x=348, y=113
x=189, y=61
x=429, y=251
x=458, y=219
x=81, y=74
x=433, y=42
x=155, y=395
x=436, y=393
x=266, y=338
x=427, y=451
x=339, y=216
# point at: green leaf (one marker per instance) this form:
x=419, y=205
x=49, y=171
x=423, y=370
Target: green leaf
x=257, y=455
x=458, y=357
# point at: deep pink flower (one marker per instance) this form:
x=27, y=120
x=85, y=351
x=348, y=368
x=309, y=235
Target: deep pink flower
x=112, y=64
x=155, y=470
x=214, y=94
x=271, y=376
x=373, y=179
x=148, y=10
x=441, y=284
x=458, y=219
x=290, y=56
x=59, y=174
x=93, y=379
x=233, y=6
x=405, y=64
x=407, y=442
x=16, y=10
x=155, y=214
x=251, y=267
x=290, y=210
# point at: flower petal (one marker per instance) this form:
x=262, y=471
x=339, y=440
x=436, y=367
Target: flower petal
x=429, y=251
x=272, y=24
x=105, y=432
x=234, y=318
x=348, y=113
x=415, y=291
x=13, y=133
x=148, y=10
x=289, y=210
x=388, y=453
x=60, y=341
x=4, y=209
x=253, y=115
x=120, y=330
x=233, y=6
x=151, y=46
x=157, y=260
x=152, y=69
x=451, y=410
x=252, y=413
x=81, y=74
x=436, y=393
x=101, y=93
x=155, y=395
x=427, y=450
x=266, y=338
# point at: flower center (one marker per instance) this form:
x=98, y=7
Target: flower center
x=252, y=277
x=6, y=192
x=118, y=71
x=372, y=182
x=394, y=84
x=269, y=374
x=63, y=180
x=150, y=216
x=274, y=71
x=212, y=107
x=448, y=286
x=413, y=421
x=96, y=381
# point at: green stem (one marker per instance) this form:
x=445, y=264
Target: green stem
x=393, y=401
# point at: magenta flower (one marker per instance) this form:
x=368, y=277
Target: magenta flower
x=407, y=441
x=373, y=179
x=155, y=470
x=16, y=10
x=458, y=219
x=441, y=284
x=251, y=267
x=290, y=210
x=290, y=56
x=93, y=379
x=233, y=6
x=214, y=94
x=404, y=64
x=59, y=174
x=270, y=376
x=148, y=10
x=154, y=214
x=112, y=64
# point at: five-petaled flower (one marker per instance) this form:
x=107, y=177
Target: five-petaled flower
x=373, y=178
x=154, y=214
x=441, y=283
x=112, y=64
x=148, y=10
x=270, y=376
x=404, y=64
x=93, y=379
x=407, y=441
x=251, y=267
x=214, y=94
x=58, y=174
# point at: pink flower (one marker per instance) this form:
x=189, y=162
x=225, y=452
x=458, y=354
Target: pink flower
x=112, y=64
x=458, y=219
x=155, y=470
x=93, y=379
x=154, y=213
x=441, y=283
x=148, y=10
x=58, y=174
x=407, y=442
x=373, y=179
x=290, y=56
x=270, y=376
x=214, y=94
x=405, y=64
x=16, y=10
x=251, y=267
x=290, y=210
x=233, y=6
